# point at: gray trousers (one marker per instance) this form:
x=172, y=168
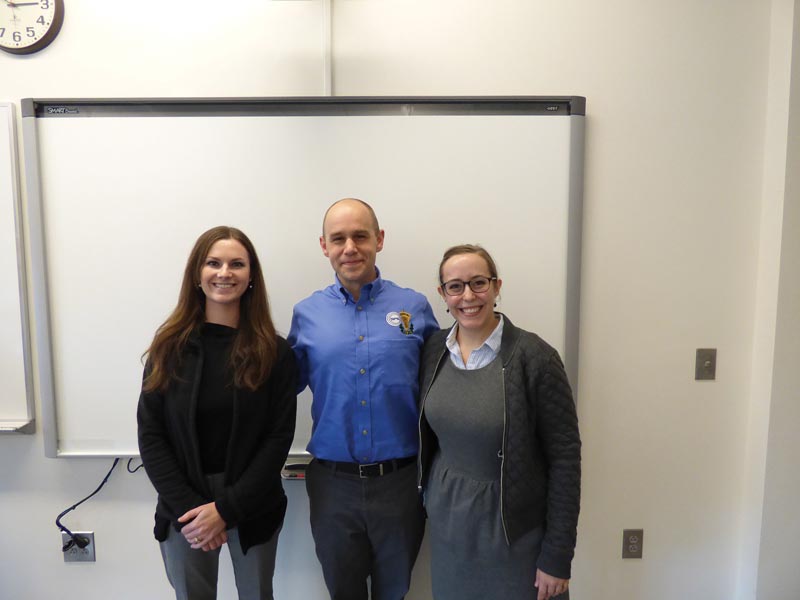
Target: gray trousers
x=365, y=528
x=193, y=573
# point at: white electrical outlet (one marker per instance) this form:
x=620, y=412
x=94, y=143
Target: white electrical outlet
x=74, y=553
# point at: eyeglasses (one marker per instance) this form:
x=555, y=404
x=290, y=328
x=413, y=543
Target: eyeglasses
x=455, y=287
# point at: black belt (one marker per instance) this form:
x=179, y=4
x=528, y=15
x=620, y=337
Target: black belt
x=369, y=470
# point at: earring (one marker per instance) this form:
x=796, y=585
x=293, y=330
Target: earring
x=447, y=309
x=495, y=304
x=251, y=285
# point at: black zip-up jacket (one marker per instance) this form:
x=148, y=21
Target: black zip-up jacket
x=263, y=428
x=541, y=454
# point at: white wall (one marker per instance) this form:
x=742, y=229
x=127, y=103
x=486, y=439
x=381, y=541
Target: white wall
x=680, y=152
x=780, y=534
x=779, y=107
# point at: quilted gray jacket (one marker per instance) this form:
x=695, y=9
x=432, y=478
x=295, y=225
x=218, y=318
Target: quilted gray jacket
x=541, y=455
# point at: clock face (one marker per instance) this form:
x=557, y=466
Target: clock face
x=27, y=26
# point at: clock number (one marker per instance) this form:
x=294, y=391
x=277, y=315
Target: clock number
x=40, y=20
x=16, y=37
x=2, y=31
x=45, y=4
x=30, y=31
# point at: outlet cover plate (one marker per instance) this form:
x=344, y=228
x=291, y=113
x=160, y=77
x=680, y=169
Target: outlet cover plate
x=632, y=543
x=75, y=554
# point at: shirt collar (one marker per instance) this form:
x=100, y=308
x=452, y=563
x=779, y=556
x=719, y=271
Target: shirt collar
x=368, y=290
x=493, y=341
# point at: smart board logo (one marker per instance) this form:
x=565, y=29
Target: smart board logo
x=61, y=110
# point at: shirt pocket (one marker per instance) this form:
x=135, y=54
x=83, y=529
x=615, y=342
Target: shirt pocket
x=396, y=362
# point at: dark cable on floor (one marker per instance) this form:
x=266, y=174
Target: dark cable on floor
x=79, y=540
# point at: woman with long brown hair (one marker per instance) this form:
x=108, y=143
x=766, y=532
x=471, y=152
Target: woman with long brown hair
x=216, y=419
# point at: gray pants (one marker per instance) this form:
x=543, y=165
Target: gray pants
x=365, y=528
x=193, y=573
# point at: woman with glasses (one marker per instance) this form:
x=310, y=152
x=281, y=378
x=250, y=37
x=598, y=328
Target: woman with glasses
x=500, y=449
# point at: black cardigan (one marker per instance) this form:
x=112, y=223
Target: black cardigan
x=263, y=428
x=541, y=470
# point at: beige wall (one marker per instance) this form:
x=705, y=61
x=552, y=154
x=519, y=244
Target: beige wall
x=780, y=535
x=680, y=251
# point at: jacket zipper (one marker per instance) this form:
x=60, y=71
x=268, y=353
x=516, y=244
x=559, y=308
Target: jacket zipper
x=195, y=438
x=503, y=459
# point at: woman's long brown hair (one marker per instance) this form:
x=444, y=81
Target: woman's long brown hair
x=255, y=347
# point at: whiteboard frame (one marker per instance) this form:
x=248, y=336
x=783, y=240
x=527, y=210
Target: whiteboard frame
x=26, y=423
x=33, y=109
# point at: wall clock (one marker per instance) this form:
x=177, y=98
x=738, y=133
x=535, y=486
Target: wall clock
x=27, y=26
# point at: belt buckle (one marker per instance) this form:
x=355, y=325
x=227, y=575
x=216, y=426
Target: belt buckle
x=362, y=473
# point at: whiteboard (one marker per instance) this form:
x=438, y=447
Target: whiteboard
x=16, y=399
x=123, y=188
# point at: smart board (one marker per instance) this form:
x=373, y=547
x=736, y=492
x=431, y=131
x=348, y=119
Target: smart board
x=122, y=188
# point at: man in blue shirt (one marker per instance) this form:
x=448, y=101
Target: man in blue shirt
x=358, y=343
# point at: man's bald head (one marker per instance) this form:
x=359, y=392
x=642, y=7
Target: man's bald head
x=372, y=215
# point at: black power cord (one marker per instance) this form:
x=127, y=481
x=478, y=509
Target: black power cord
x=79, y=540
x=130, y=461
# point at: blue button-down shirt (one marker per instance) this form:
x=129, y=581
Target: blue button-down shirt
x=361, y=361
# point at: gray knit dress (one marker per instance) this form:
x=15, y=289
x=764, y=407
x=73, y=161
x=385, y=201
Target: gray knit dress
x=470, y=559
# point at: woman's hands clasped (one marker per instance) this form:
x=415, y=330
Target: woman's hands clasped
x=204, y=529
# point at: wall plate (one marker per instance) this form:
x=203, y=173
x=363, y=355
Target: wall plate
x=632, y=543
x=76, y=554
x=705, y=365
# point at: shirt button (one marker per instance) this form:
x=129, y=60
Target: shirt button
x=362, y=371
x=361, y=338
x=359, y=307
x=364, y=432
x=363, y=403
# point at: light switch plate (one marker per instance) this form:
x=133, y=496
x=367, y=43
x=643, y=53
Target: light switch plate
x=705, y=366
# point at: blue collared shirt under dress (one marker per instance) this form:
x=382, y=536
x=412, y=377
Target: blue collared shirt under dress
x=361, y=361
x=480, y=357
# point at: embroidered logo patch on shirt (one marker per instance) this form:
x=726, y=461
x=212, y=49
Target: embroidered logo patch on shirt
x=402, y=320
x=406, y=326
